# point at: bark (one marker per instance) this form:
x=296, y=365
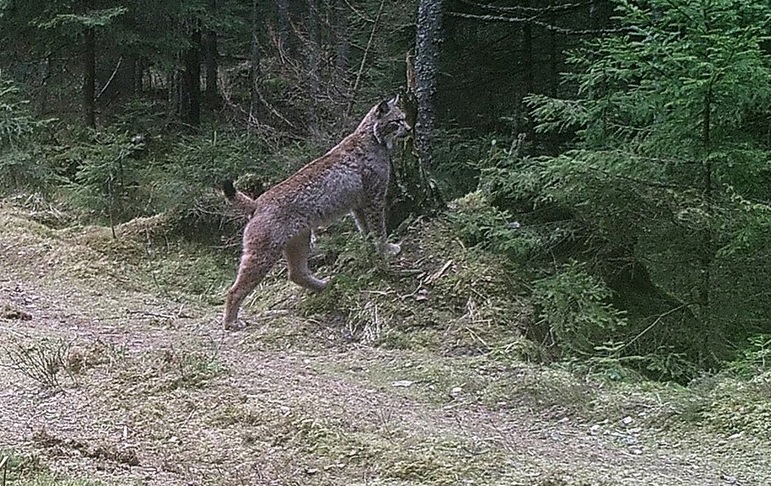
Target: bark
x=190, y=88
x=707, y=250
x=314, y=83
x=600, y=12
x=282, y=7
x=343, y=50
x=89, y=77
x=428, y=38
x=211, y=59
x=527, y=47
x=254, y=72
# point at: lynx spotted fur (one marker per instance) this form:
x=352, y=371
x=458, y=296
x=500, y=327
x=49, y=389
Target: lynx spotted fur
x=352, y=177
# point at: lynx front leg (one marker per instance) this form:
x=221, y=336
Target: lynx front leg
x=373, y=216
x=361, y=222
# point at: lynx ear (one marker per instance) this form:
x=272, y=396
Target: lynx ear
x=396, y=100
x=383, y=108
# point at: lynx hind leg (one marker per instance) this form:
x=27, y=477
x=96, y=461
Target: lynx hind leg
x=296, y=253
x=256, y=262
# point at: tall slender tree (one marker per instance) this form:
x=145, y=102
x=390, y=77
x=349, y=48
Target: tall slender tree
x=254, y=71
x=89, y=72
x=211, y=57
x=189, y=87
x=427, y=40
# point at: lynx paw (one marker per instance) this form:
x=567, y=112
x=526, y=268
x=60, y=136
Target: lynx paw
x=237, y=325
x=390, y=249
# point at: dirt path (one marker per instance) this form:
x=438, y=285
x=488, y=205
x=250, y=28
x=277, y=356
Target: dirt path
x=151, y=391
x=160, y=396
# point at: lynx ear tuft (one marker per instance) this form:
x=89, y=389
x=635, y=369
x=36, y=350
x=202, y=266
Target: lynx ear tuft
x=397, y=99
x=383, y=108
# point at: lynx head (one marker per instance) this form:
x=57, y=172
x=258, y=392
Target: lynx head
x=390, y=122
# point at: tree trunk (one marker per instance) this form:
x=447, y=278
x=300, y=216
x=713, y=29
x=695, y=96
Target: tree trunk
x=554, y=61
x=210, y=61
x=89, y=77
x=314, y=83
x=284, y=47
x=527, y=56
x=190, y=96
x=600, y=12
x=427, y=42
x=707, y=250
x=254, y=72
x=343, y=50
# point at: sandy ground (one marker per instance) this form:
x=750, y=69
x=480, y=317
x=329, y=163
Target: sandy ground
x=152, y=392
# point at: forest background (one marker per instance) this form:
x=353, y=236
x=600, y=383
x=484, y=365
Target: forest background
x=616, y=155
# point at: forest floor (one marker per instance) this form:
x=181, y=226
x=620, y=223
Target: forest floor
x=144, y=387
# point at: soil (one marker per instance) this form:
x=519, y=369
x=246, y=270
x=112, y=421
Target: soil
x=148, y=389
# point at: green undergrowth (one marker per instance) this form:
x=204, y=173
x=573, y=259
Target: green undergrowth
x=436, y=295
x=19, y=469
x=328, y=445
x=455, y=316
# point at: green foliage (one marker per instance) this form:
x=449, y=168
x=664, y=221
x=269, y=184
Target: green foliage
x=192, y=369
x=739, y=406
x=483, y=225
x=357, y=267
x=755, y=359
x=668, y=175
x=575, y=309
x=16, y=123
x=192, y=273
x=183, y=180
x=455, y=154
x=208, y=160
x=75, y=22
x=18, y=129
x=107, y=176
x=20, y=468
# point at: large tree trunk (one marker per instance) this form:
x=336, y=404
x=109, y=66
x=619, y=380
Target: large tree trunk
x=89, y=77
x=190, y=89
x=343, y=50
x=254, y=72
x=527, y=54
x=314, y=81
x=427, y=43
x=600, y=12
x=707, y=249
x=284, y=46
x=210, y=61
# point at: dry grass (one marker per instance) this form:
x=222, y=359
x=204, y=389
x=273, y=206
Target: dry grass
x=401, y=374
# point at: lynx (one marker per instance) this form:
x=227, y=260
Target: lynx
x=352, y=177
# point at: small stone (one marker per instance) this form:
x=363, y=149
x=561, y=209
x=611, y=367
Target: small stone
x=402, y=383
